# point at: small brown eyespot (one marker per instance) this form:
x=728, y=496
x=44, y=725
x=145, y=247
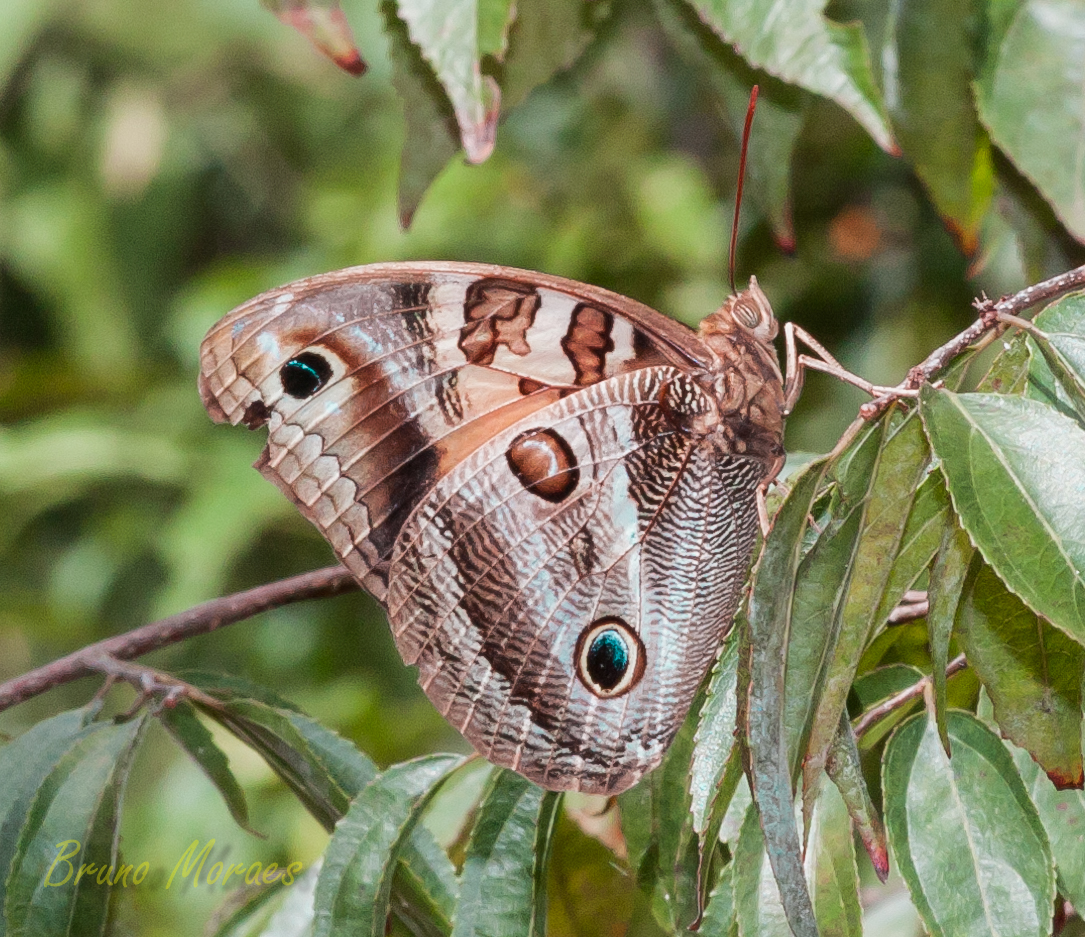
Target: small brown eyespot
x=544, y=463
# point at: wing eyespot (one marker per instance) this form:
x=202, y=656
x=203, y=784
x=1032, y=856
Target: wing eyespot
x=544, y=463
x=304, y=374
x=609, y=657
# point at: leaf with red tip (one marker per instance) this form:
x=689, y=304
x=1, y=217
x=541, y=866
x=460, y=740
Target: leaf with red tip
x=322, y=22
x=846, y=771
x=454, y=37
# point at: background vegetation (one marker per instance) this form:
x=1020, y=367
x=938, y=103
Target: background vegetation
x=161, y=163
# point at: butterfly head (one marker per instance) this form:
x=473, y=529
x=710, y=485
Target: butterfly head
x=748, y=311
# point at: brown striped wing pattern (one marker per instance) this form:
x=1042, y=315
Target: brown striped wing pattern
x=531, y=475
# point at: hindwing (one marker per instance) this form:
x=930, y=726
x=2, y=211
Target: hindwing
x=495, y=590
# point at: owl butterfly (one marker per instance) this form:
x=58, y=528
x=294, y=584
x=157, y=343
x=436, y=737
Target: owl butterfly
x=549, y=487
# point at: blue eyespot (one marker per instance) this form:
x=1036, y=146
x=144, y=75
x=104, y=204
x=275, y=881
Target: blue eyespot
x=305, y=374
x=610, y=657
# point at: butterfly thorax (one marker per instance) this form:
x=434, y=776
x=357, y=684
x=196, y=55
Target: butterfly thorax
x=744, y=380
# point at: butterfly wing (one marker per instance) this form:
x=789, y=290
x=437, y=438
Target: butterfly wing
x=375, y=382
x=502, y=591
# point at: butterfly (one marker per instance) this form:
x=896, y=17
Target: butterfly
x=552, y=489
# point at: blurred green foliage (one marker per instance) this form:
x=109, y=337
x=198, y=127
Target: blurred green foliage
x=161, y=163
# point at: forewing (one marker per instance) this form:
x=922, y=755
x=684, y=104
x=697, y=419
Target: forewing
x=425, y=363
x=492, y=585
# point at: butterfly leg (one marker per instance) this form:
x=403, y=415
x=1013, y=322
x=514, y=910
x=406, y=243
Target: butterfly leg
x=796, y=365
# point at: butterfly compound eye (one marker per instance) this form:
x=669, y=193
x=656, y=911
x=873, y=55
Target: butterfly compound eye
x=609, y=657
x=747, y=315
x=305, y=374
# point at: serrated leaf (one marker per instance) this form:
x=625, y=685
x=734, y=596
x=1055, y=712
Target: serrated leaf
x=72, y=822
x=355, y=884
x=326, y=772
x=1063, y=815
x=795, y=42
x=1031, y=671
x=193, y=736
x=928, y=70
x=964, y=834
x=454, y=36
x=901, y=464
x=276, y=738
x=846, y=772
x=1031, y=98
x=322, y=22
x=503, y=882
x=1059, y=382
x=1015, y=471
x=24, y=765
x=770, y=776
x=947, y=580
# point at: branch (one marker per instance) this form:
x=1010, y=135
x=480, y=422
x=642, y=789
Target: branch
x=200, y=619
x=884, y=708
x=988, y=321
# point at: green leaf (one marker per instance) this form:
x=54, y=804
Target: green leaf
x=719, y=915
x=322, y=22
x=546, y=37
x=830, y=867
x=780, y=111
x=758, y=911
x=846, y=772
x=503, y=883
x=928, y=75
x=326, y=772
x=1009, y=372
x=431, y=137
x=715, y=738
x=454, y=36
x=185, y=726
x=919, y=543
x=770, y=777
x=901, y=464
x=1032, y=673
x=964, y=834
x=282, y=744
x=24, y=765
x=1056, y=372
x=1063, y=815
x=355, y=884
x=947, y=580
x=72, y=823
x=1015, y=470
x=795, y=42
x=1031, y=97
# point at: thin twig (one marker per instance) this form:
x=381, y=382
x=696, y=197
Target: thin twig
x=200, y=619
x=884, y=708
x=989, y=320
x=908, y=611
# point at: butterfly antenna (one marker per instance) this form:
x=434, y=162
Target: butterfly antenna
x=741, y=180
